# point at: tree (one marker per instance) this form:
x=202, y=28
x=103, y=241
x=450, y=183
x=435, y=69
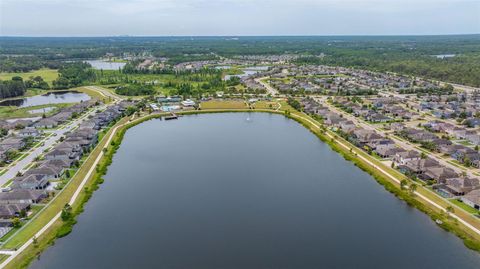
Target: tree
x=403, y=184
x=73, y=75
x=412, y=189
x=294, y=103
x=11, y=154
x=66, y=213
x=16, y=223
x=12, y=88
x=37, y=82
x=450, y=210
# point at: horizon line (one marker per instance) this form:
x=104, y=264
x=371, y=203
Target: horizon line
x=234, y=36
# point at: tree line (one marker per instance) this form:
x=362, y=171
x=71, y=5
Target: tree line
x=12, y=88
x=73, y=75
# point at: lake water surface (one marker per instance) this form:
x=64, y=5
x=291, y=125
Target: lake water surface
x=247, y=71
x=106, y=65
x=221, y=191
x=57, y=97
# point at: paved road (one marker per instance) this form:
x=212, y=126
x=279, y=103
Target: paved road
x=404, y=144
x=477, y=231
x=271, y=90
x=52, y=138
x=15, y=253
x=104, y=92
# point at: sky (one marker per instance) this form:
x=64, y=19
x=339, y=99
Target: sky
x=237, y=17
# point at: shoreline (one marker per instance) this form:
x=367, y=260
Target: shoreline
x=114, y=137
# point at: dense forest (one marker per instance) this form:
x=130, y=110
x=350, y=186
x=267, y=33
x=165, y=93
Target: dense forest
x=74, y=75
x=414, y=55
x=135, y=90
x=12, y=88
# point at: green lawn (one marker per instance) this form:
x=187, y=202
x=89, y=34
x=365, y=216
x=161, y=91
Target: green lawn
x=92, y=93
x=464, y=142
x=266, y=105
x=60, y=200
x=464, y=206
x=3, y=257
x=10, y=112
x=424, y=191
x=214, y=104
x=48, y=75
x=159, y=81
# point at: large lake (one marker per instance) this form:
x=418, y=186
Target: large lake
x=56, y=97
x=230, y=191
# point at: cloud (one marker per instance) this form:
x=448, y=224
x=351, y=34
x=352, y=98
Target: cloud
x=237, y=17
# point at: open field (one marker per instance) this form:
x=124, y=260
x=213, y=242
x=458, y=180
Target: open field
x=266, y=105
x=11, y=112
x=92, y=93
x=214, y=104
x=162, y=83
x=49, y=75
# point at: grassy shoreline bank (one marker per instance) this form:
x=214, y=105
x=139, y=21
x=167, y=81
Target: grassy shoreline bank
x=61, y=229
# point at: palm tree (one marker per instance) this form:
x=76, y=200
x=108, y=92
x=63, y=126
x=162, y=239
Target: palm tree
x=403, y=184
x=450, y=210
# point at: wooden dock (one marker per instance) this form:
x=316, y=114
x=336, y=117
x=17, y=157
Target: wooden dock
x=172, y=116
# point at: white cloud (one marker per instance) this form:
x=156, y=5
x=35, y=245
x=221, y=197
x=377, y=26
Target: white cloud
x=237, y=17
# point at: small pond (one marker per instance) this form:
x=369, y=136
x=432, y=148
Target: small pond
x=248, y=71
x=57, y=97
x=106, y=65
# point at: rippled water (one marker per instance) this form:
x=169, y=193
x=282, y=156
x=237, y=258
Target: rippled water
x=221, y=191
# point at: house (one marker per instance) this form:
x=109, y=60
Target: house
x=364, y=136
x=439, y=174
x=22, y=196
x=58, y=166
x=47, y=172
x=46, y=123
x=377, y=117
x=8, y=211
x=397, y=126
x=188, y=103
x=59, y=154
x=28, y=132
x=170, y=99
x=332, y=119
x=12, y=143
x=418, y=166
x=30, y=182
x=462, y=153
x=458, y=132
x=449, y=149
x=473, y=122
x=460, y=186
x=347, y=126
x=62, y=117
x=387, y=151
x=402, y=157
x=472, y=199
x=473, y=137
